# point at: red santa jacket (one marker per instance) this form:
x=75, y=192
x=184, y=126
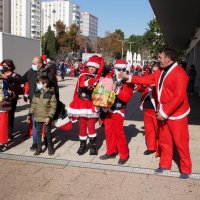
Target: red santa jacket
x=172, y=96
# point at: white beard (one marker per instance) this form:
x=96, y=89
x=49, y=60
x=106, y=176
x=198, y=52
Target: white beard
x=117, y=75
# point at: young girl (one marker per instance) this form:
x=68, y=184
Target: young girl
x=82, y=108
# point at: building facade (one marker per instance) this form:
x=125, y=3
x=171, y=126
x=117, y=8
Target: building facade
x=35, y=19
x=21, y=17
x=5, y=16
x=89, y=26
x=55, y=10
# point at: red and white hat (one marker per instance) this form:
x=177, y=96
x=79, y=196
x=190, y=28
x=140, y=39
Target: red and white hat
x=120, y=64
x=94, y=61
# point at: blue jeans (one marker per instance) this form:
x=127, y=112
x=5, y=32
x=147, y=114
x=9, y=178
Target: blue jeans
x=34, y=131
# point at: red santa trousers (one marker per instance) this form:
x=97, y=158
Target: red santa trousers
x=151, y=129
x=4, y=127
x=87, y=127
x=115, y=136
x=177, y=131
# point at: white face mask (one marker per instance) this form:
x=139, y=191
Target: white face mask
x=34, y=67
x=39, y=86
x=117, y=75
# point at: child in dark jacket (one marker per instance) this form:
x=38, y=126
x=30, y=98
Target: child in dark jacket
x=43, y=107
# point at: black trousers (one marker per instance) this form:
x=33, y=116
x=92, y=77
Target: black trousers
x=48, y=135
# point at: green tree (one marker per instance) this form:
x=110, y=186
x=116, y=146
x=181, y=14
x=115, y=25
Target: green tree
x=153, y=38
x=49, y=43
x=72, y=38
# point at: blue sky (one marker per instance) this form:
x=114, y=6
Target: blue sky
x=131, y=16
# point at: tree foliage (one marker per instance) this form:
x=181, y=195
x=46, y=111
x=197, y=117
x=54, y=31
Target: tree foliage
x=49, y=44
x=153, y=38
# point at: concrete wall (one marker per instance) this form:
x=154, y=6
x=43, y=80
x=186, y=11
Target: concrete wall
x=20, y=49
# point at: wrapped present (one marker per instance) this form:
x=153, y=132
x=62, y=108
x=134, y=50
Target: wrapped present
x=103, y=94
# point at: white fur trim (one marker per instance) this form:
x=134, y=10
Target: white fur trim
x=82, y=137
x=173, y=118
x=89, y=113
x=122, y=66
x=163, y=113
x=60, y=122
x=86, y=83
x=93, y=64
x=25, y=95
x=180, y=116
x=117, y=111
x=92, y=135
x=159, y=91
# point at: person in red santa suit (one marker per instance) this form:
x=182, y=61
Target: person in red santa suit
x=149, y=104
x=171, y=85
x=82, y=108
x=115, y=137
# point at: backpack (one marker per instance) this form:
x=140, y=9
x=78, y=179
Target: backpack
x=103, y=94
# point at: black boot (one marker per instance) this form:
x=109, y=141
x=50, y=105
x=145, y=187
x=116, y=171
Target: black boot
x=93, y=148
x=82, y=147
x=51, y=150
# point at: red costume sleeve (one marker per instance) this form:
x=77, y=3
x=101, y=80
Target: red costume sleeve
x=125, y=93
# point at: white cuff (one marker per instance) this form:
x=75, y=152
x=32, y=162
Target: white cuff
x=25, y=95
x=163, y=114
x=129, y=79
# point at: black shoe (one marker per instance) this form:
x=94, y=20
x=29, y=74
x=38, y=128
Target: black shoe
x=93, y=148
x=160, y=170
x=108, y=156
x=33, y=147
x=184, y=176
x=82, y=147
x=148, y=152
x=4, y=147
x=122, y=161
x=51, y=152
x=38, y=152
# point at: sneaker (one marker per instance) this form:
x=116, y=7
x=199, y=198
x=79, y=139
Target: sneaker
x=4, y=147
x=160, y=170
x=51, y=152
x=148, y=152
x=107, y=156
x=38, y=152
x=10, y=138
x=122, y=161
x=184, y=176
x=33, y=147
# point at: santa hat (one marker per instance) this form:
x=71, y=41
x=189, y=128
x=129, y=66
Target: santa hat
x=94, y=61
x=120, y=64
x=44, y=58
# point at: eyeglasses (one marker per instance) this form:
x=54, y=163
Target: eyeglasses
x=121, y=69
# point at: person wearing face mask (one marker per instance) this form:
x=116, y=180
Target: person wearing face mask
x=9, y=67
x=82, y=108
x=31, y=76
x=43, y=107
x=115, y=137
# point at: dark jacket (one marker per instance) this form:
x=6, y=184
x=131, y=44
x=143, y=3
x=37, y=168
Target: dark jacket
x=43, y=105
x=31, y=77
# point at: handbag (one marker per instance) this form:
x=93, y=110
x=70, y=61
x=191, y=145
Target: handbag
x=103, y=94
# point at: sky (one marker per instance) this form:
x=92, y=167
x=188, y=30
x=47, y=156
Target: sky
x=131, y=16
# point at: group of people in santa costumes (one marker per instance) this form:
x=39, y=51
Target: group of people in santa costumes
x=171, y=83
x=87, y=114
